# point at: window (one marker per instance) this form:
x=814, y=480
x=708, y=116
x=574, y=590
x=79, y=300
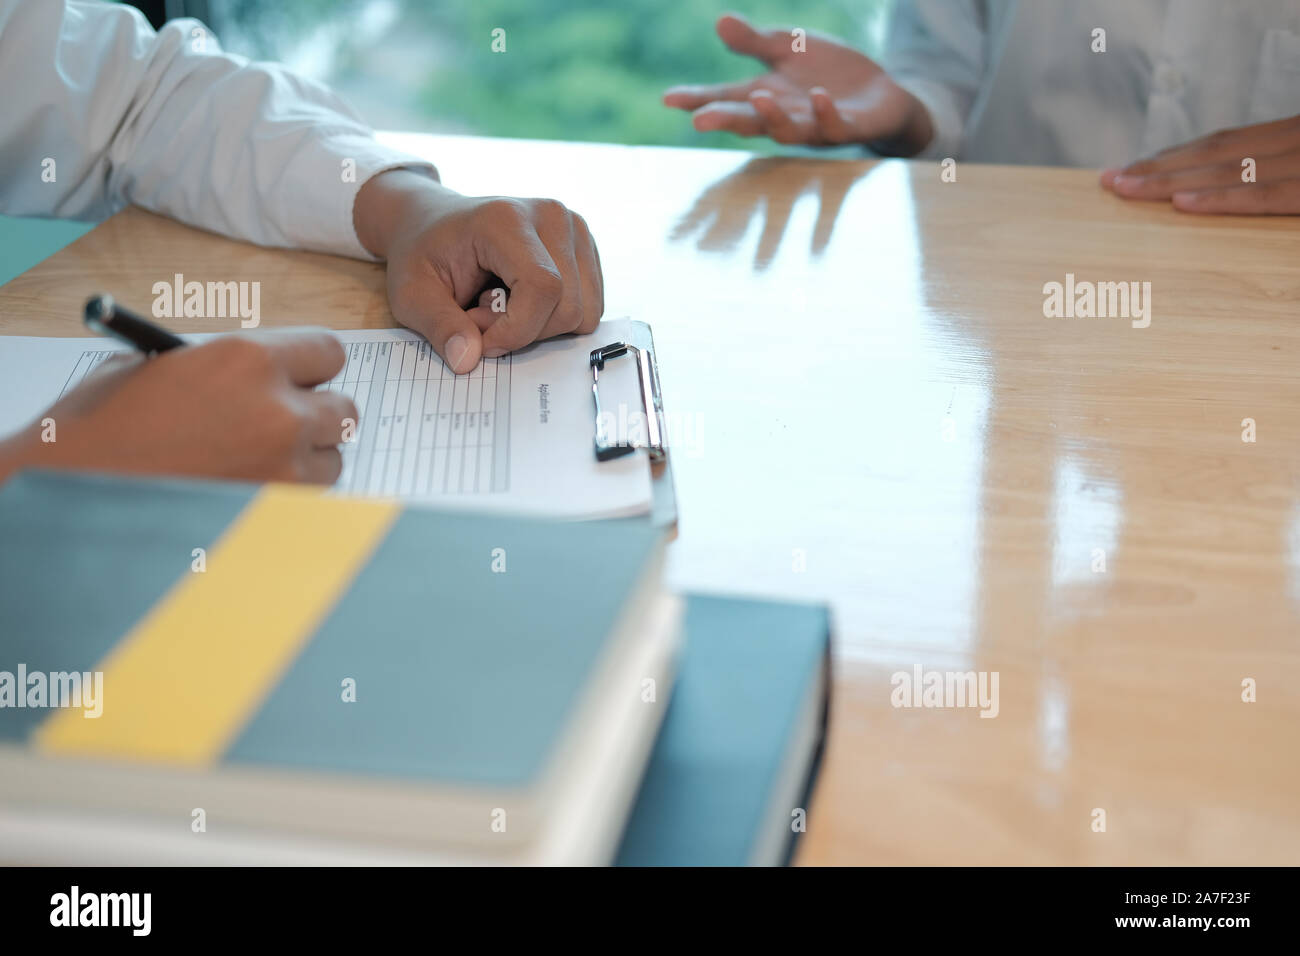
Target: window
x=571, y=69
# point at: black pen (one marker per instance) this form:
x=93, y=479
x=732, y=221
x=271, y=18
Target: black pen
x=106, y=317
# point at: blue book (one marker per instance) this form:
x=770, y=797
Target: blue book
x=730, y=777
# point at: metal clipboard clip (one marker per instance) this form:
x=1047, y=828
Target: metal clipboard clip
x=648, y=380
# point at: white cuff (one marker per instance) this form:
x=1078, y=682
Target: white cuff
x=358, y=159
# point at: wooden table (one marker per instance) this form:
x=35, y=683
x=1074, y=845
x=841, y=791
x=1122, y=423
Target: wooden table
x=871, y=408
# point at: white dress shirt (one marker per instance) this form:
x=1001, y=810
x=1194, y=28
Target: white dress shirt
x=100, y=111
x=1017, y=81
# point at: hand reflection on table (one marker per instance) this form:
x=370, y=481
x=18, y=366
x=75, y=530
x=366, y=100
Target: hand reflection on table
x=770, y=187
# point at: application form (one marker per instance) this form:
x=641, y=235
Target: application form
x=515, y=434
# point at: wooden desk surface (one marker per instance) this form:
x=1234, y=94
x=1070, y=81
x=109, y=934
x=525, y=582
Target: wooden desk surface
x=864, y=385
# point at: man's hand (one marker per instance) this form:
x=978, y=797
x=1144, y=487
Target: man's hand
x=479, y=276
x=235, y=407
x=1209, y=175
x=828, y=94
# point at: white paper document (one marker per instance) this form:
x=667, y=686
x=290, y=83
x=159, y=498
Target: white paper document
x=515, y=434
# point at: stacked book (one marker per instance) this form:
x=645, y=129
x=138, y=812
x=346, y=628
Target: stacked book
x=196, y=673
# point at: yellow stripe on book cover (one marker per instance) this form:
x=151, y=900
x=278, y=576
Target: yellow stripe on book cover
x=193, y=671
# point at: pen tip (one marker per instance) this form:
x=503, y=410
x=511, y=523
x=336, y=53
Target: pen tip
x=97, y=306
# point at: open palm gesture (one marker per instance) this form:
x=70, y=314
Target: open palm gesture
x=817, y=92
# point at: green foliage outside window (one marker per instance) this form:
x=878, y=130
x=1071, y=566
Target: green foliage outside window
x=572, y=69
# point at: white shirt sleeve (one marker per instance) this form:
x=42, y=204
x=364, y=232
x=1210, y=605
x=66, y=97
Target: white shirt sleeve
x=937, y=51
x=100, y=112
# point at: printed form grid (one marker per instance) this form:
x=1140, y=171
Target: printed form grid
x=424, y=431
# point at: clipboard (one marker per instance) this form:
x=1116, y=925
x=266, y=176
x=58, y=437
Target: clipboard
x=640, y=349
